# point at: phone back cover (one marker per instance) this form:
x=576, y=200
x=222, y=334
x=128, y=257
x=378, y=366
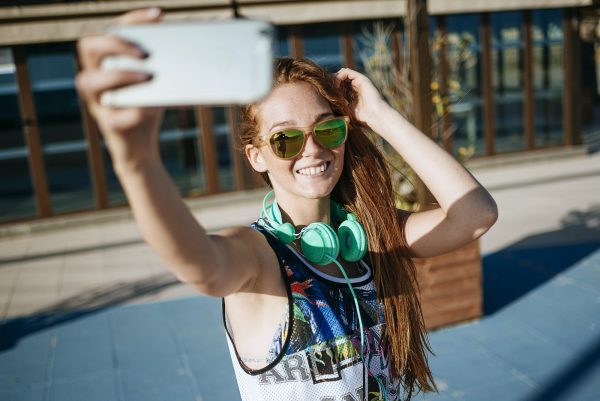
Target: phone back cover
x=224, y=62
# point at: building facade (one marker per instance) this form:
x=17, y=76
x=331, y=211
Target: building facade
x=510, y=79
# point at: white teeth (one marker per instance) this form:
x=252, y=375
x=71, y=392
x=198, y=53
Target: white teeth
x=313, y=170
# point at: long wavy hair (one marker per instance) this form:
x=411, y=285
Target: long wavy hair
x=365, y=189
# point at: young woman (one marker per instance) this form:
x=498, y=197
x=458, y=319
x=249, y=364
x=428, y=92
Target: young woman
x=303, y=321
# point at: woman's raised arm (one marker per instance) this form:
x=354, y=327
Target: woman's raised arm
x=466, y=209
x=215, y=264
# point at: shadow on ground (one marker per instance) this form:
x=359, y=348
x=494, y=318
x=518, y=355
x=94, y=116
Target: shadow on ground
x=88, y=302
x=521, y=267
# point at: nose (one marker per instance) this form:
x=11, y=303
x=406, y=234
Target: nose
x=311, y=145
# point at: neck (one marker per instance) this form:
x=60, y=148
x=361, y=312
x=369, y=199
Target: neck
x=302, y=211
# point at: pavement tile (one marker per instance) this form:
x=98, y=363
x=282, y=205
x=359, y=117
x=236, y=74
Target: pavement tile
x=216, y=383
x=25, y=354
x=88, y=387
x=142, y=338
x=575, y=381
x=503, y=388
x=32, y=394
x=41, y=264
x=14, y=248
x=441, y=396
x=569, y=329
x=83, y=262
x=8, y=276
x=83, y=346
x=139, y=385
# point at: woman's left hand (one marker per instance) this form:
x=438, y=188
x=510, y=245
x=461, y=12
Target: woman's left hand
x=368, y=102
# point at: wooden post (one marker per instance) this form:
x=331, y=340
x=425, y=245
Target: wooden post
x=208, y=149
x=295, y=41
x=95, y=161
x=348, y=45
x=32, y=134
x=420, y=67
x=487, y=85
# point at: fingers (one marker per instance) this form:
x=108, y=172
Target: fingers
x=346, y=73
x=125, y=119
x=92, y=49
x=91, y=80
x=91, y=83
x=140, y=16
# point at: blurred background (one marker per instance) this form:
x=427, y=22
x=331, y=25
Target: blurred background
x=511, y=89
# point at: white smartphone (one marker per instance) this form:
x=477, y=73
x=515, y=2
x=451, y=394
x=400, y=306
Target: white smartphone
x=216, y=63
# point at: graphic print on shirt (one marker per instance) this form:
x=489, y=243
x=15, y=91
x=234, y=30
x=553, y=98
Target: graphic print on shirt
x=322, y=358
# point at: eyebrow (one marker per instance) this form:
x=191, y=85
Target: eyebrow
x=317, y=118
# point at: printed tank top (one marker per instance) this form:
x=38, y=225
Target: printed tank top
x=316, y=352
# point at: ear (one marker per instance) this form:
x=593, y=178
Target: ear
x=255, y=158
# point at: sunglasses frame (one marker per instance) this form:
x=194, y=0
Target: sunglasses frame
x=308, y=130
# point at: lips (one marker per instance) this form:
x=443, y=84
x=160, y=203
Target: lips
x=313, y=170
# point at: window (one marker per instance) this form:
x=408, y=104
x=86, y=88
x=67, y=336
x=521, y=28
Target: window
x=52, y=70
x=16, y=192
x=508, y=80
x=548, y=76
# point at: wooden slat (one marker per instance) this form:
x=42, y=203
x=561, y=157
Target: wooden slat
x=447, y=304
x=208, y=149
x=62, y=29
x=32, y=134
x=487, y=85
x=528, y=103
x=451, y=274
x=453, y=287
x=467, y=252
x=295, y=41
x=95, y=161
x=305, y=12
x=348, y=44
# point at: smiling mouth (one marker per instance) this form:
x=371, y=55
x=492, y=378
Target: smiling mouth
x=314, y=170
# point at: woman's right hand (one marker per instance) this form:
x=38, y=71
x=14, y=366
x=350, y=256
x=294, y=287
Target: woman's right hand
x=131, y=134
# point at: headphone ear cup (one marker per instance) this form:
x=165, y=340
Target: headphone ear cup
x=319, y=243
x=285, y=232
x=353, y=240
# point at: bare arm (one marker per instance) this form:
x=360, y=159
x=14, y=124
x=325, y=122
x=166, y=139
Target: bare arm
x=215, y=264
x=466, y=209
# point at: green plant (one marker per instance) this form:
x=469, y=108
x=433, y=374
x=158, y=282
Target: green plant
x=395, y=86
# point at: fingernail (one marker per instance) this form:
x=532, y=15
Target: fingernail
x=153, y=12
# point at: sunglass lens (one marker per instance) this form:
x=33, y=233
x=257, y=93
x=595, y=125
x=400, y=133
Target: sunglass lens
x=331, y=133
x=288, y=143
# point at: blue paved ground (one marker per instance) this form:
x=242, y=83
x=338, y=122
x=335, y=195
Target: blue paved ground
x=539, y=342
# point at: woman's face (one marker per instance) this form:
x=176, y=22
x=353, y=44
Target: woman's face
x=314, y=172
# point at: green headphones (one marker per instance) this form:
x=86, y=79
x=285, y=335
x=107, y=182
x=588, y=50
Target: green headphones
x=318, y=241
